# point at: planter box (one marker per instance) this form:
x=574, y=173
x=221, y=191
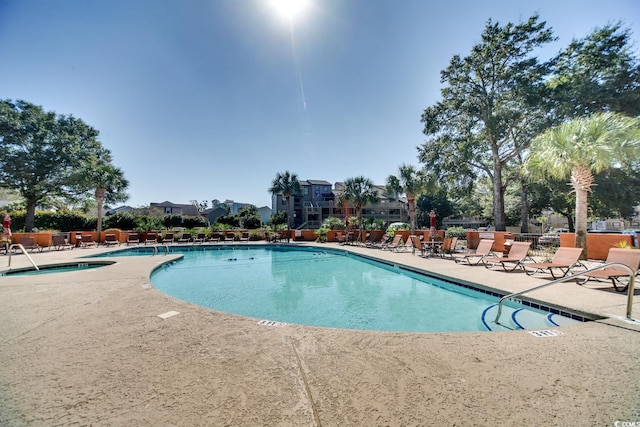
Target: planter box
x=499, y=237
x=43, y=239
x=598, y=245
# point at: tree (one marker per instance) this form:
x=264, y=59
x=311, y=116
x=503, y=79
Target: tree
x=286, y=185
x=597, y=73
x=360, y=191
x=106, y=181
x=580, y=148
x=412, y=183
x=488, y=113
x=42, y=152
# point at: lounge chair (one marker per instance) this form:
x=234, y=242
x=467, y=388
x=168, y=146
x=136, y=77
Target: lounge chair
x=244, y=237
x=564, y=260
x=133, y=239
x=518, y=253
x=151, y=238
x=29, y=243
x=483, y=251
x=110, y=240
x=448, y=246
x=59, y=242
x=167, y=239
x=200, y=238
x=185, y=238
x=87, y=241
x=373, y=238
x=215, y=237
x=416, y=244
x=229, y=236
x=630, y=257
x=397, y=240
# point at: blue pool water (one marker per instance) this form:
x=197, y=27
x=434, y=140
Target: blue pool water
x=330, y=289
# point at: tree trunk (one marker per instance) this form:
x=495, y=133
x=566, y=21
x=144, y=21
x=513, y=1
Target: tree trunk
x=412, y=213
x=288, y=197
x=524, y=208
x=30, y=218
x=498, y=196
x=100, y=194
x=581, y=180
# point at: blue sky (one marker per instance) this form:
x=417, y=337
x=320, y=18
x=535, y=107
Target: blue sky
x=211, y=99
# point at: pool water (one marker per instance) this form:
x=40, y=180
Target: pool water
x=55, y=268
x=325, y=288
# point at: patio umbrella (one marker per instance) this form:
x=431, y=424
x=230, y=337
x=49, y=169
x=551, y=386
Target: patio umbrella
x=433, y=232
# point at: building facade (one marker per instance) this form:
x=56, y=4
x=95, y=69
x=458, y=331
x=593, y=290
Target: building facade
x=318, y=202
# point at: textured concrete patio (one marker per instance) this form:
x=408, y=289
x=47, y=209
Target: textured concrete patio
x=89, y=348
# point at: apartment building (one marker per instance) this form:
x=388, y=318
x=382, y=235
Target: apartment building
x=318, y=202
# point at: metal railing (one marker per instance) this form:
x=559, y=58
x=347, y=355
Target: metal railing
x=155, y=249
x=24, y=251
x=630, y=288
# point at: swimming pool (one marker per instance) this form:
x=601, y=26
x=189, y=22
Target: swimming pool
x=335, y=289
x=55, y=268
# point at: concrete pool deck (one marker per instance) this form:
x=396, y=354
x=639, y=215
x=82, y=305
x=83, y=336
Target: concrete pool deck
x=89, y=348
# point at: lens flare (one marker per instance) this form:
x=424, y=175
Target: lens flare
x=289, y=8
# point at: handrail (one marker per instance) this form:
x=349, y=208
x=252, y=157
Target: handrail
x=573, y=276
x=155, y=249
x=24, y=251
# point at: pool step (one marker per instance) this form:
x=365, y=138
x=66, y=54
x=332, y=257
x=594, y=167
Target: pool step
x=522, y=318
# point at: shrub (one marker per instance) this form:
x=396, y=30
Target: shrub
x=321, y=234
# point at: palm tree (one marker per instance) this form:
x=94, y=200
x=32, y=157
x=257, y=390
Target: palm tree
x=581, y=148
x=412, y=183
x=286, y=184
x=360, y=191
x=109, y=184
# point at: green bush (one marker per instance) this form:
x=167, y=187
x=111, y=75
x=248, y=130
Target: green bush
x=321, y=234
x=459, y=232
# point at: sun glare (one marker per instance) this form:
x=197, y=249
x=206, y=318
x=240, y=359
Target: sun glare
x=289, y=8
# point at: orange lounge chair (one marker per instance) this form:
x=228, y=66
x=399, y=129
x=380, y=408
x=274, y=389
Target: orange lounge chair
x=517, y=255
x=482, y=251
x=564, y=260
x=629, y=257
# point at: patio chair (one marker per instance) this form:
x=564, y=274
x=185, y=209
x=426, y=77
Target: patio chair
x=87, y=241
x=397, y=240
x=110, y=240
x=448, y=246
x=133, y=239
x=374, y=237
x=483, y=251
x=185, y=238
x=29, y=243
x=151, y=238
x=565, y=259
x=416, y=244
x=629, y=257
x=517, y=255
x=59, y=242
x=167, y=239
